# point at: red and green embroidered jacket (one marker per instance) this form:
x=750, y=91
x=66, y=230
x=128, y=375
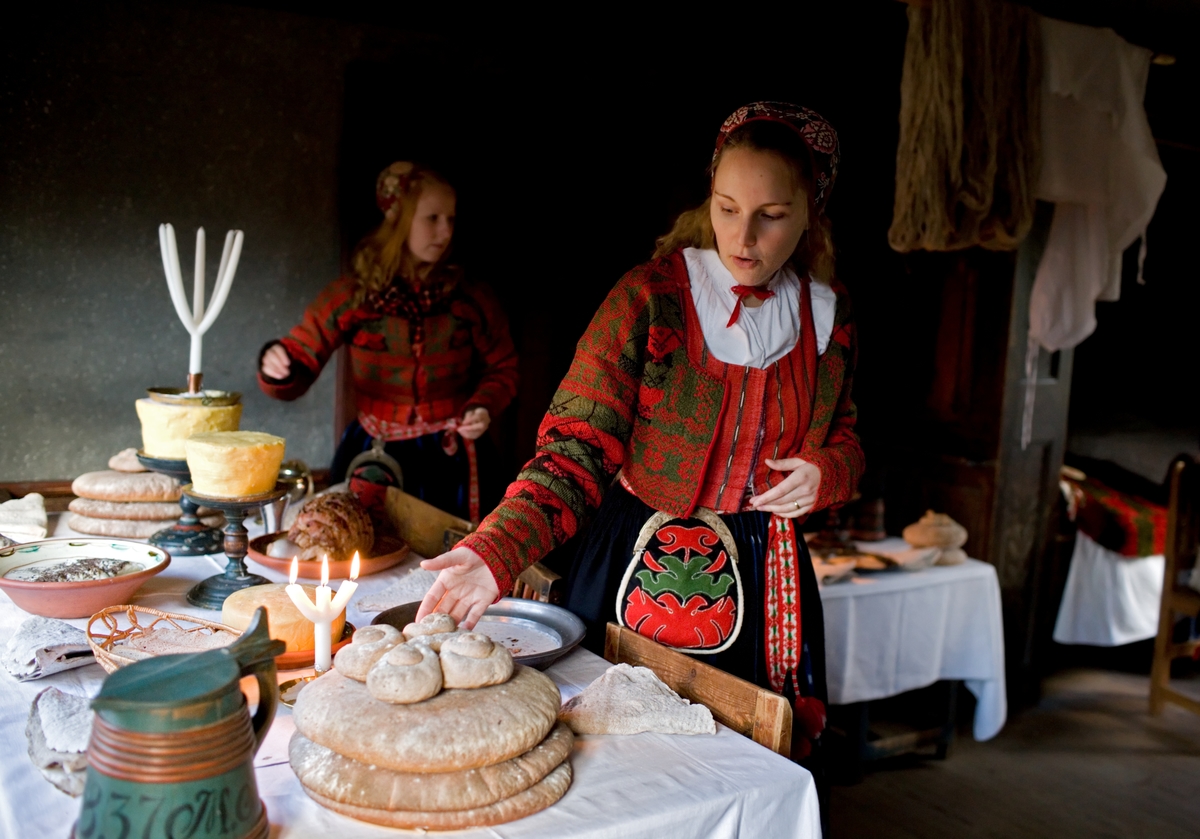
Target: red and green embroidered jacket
x=466, y=360
x=639, y=396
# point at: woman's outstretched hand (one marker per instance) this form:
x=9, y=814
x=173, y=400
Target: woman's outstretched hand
x=474, y=423
x=464, y=587
x=796, y=494
x=275, y=363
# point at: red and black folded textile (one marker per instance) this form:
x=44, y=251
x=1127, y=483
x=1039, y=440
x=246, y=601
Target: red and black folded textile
x=1128, y=524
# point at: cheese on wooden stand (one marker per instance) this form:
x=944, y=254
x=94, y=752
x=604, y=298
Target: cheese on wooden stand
x=283, y=618
x=166, y=426
x=232, y=464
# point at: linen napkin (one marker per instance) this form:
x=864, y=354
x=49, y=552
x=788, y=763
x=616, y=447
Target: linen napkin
x=631, y=700
x=24, y=519
x=412, y=586
x=43, y=646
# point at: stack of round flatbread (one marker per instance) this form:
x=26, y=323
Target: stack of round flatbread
x=127, y=502
x=463, y=758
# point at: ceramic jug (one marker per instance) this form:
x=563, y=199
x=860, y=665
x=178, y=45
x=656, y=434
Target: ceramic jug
x=172, y=746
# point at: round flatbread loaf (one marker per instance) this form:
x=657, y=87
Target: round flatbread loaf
x=538, y=797
x=126, y=461
x=457, y=729
x=125, y=510
x=120, y=529
x=111, y=485
x=349, y=782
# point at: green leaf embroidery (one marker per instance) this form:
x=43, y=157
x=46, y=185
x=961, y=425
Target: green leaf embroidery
x=685, y=578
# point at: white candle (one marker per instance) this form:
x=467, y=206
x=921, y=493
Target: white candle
x=194, y=365
x=324, y=610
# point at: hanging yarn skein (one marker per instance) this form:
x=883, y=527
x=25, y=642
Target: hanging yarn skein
x=967, y=161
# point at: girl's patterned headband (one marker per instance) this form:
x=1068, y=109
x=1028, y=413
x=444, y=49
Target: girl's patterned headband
x=817, y=134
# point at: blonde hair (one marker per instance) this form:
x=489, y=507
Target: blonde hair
x=381, y=256
x=814, y=255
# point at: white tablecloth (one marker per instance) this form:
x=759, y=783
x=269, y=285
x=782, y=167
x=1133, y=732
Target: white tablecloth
x=1109, y=599
x=896, y=631
x=649, y=785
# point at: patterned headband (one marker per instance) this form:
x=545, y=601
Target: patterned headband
x=817, y=134
x=391, y=185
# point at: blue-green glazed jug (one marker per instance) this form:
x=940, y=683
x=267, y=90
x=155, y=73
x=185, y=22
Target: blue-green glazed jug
x=172, y=749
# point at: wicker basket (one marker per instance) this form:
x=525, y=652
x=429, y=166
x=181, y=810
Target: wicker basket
x=106, y=639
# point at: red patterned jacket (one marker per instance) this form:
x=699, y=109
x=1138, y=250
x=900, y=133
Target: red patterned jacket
x=466, y=359
x=641, y=396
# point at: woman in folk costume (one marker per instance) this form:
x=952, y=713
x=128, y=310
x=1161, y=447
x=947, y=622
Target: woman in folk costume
x=431, y=357
x=707, y=410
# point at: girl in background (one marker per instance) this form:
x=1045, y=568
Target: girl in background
x=432, y=361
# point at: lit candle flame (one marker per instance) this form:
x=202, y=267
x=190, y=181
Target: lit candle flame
x=325, y=570
x=354, y=567
x=295, y=570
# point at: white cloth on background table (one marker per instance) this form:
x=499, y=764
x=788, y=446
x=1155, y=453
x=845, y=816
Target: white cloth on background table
x=896, y=631
x=764, y=334
x=655, y=786
x=1109, y=599
x=1101, y=169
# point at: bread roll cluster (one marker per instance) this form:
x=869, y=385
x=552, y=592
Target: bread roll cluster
x=406, y=667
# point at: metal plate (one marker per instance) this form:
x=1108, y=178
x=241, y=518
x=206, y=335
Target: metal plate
x=515, y=619
x=181, y=396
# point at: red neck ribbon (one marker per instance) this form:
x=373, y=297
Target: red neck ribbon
x=742, y=292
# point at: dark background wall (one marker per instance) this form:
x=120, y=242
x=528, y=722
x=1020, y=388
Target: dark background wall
x=117, y=117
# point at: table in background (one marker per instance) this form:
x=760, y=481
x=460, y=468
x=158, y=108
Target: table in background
x=649, y=785
x=896, y=631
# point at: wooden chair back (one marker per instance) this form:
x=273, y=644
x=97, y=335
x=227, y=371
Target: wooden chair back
x=537, y=582
x=763, y=716
x=1183, y=539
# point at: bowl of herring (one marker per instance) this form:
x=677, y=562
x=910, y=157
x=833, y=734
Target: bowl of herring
x=78, y=576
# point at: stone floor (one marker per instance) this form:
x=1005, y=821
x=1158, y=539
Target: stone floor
x=1087, y=761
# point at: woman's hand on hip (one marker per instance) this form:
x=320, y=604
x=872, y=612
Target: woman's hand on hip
x=474, y=423
x=464, y=587
x=276, y=364
x=796, y=494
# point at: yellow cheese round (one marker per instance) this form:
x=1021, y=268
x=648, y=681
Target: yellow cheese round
x=231, y=464
x=165, y=427
x=283, y=618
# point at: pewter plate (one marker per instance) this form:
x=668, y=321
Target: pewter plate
x=540, y=633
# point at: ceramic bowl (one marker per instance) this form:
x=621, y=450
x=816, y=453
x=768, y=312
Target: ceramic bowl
x=80, y=599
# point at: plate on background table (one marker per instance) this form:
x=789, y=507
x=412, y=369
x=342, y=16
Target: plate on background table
x=537, y=634
x=389, y=551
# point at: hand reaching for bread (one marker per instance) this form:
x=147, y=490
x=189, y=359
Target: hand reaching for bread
x=464, y=587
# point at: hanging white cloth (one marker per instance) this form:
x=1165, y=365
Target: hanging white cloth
x=1101, y=169
x=764, y=334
